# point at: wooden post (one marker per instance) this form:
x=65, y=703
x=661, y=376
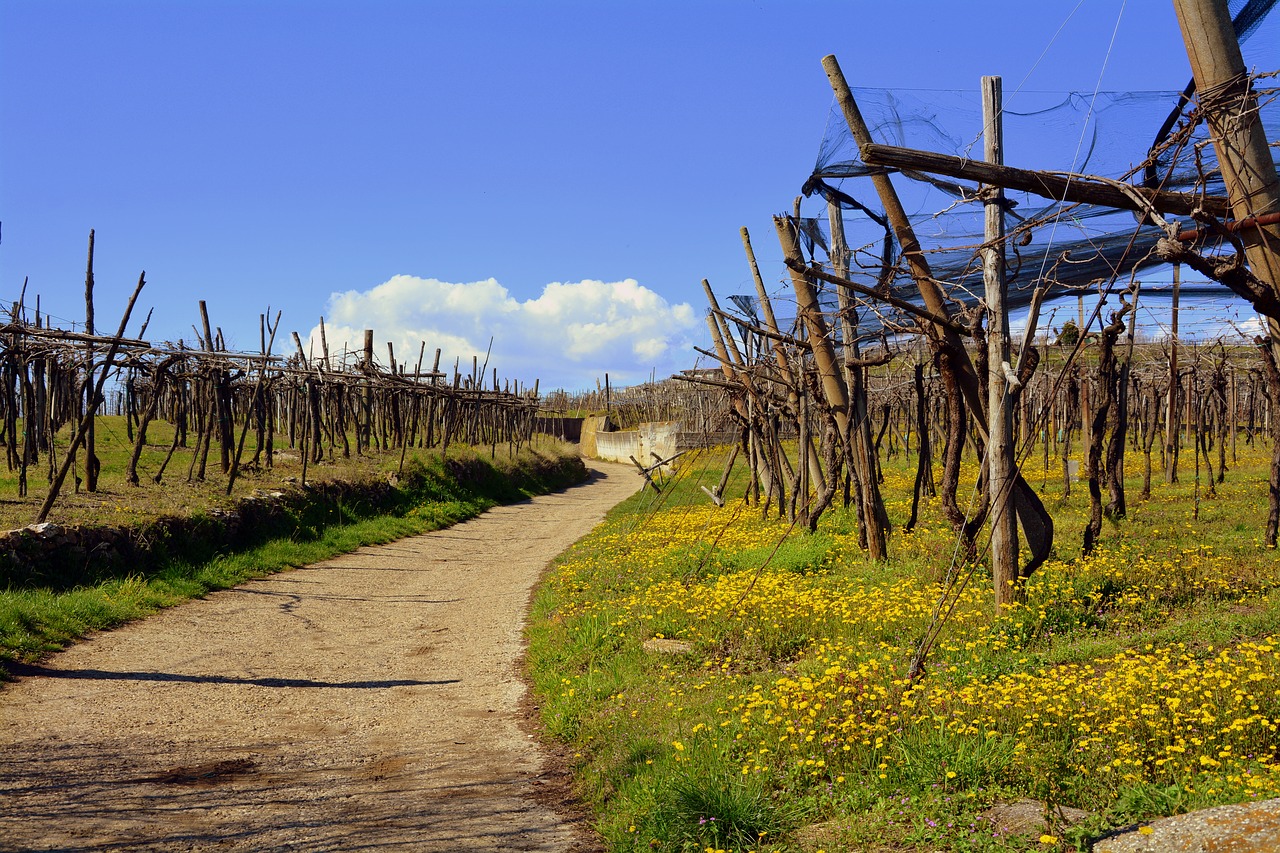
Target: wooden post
x=90, y=437
x=1171, y=428
x=1002, y=463
x=1231, y=112
x=366, y=397
x=860, y=446
x=1230, y=109
x=204, y=436
x=824, y=356
x=431, y=403
x=324, y=345
x=1234, y=420
x=1036, y=521
x=932, y=296
x=834, y=388
x=1086, y=420
x=253, y=405
x=779, y=351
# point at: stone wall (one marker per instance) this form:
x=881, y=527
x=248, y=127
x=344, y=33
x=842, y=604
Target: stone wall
x=591, y=427
x=563, y=428
x=61, y=557
x=660, y=438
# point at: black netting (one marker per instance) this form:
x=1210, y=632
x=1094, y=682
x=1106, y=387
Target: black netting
x=1066, y=246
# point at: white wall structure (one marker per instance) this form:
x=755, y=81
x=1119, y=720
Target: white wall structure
x=620, y=446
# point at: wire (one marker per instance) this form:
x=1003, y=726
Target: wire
x=1080, y=141
x=1052, y=40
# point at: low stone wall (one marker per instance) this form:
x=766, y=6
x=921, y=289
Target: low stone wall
x=617, y=446
x=592, y=426
x=660, y=438
x=60, y=557
x=565, y=429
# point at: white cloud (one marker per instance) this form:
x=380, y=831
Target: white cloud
x=569, y=336
x=1250, y=327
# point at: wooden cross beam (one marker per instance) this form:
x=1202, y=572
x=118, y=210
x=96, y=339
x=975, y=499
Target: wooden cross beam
x=644, y=472
x=1059, y=186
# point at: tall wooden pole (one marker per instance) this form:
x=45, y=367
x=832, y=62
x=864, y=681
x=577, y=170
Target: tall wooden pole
x=1230, y=108
x=779, y=351
x=90, y=405
x=1171, y=428
x=766, y=304
x=1036, y=521
x=861, y=446
x=1235, y=407
x=930, y=293
x=824, y=356
x=1001, y=448
x=834, y=388
x=366, y=397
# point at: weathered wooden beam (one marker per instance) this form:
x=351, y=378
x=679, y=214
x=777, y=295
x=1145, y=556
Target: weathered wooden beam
x=833, y=384
x=1239, y=138
x=60, y=334
x=1002, y=450
x=644, y=473
x=1059, y=186
x=705, y=380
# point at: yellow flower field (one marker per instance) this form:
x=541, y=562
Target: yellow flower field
x=1108, y=688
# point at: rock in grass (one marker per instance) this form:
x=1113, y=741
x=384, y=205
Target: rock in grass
x=1243, y=828
x=661, y=646
x=1027, y=817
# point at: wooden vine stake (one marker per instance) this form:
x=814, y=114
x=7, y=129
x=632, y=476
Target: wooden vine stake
x=1002, y=463
x=254, y=402
x=61, y=476
x=91, y=463
x=1171, y=426
x=954, y=362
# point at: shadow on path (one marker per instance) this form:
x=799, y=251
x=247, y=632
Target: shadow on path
x=27, y=670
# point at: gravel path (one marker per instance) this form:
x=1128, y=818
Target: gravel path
x=368, y=702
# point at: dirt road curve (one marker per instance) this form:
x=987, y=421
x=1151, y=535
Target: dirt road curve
x=369, y=702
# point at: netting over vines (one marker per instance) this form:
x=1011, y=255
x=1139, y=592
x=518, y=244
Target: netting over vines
x=1148, y=138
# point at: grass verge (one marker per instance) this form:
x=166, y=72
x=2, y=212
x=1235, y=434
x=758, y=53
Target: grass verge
x=719, y=692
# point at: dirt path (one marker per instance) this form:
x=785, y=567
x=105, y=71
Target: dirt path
x=367, y=702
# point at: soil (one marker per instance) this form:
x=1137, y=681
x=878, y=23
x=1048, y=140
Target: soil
x=372, y=701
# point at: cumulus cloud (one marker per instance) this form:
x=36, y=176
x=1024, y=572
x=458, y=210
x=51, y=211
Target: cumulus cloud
x=1249, y=327
x=569, y=336
x=1210, y=322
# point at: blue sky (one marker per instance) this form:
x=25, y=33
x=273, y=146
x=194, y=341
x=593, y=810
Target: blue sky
x=557, y=175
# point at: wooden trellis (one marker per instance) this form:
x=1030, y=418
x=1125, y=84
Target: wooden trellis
x=321, y=406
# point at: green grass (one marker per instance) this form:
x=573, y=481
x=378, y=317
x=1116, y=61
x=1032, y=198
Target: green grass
x=664, y=742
